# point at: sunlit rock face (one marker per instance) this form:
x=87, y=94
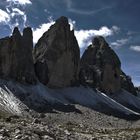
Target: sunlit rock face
x=101, y=67
x=57, y=56
x=16, y=61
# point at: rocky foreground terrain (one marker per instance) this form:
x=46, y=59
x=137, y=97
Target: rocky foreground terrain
x=49, y=93
x=86, y=125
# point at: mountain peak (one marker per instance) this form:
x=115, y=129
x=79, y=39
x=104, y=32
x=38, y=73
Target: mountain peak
x=62, y=20
x=57, y=48
x=99, y=41
x=27, y=31
x=101, y=68
x=16, y=32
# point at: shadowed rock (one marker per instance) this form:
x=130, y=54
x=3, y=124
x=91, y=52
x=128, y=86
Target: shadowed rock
x=101, y=67
x=127, y=84
x=57, y=56
x=16, y=60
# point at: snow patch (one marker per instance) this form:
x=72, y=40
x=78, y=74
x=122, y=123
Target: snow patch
x=38, y=95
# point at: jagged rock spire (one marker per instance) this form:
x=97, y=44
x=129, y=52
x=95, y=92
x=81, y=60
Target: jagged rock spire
x=16, y=57
x=57, y=52
x=62, y=20
x=27, y=32
x=101, y=68
x=16, y=31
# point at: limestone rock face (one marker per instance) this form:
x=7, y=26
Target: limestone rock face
x=127, y=84
x=16, y=61
x=57, y=56
x=101, y=66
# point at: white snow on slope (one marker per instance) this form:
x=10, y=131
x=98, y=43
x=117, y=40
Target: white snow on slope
x=89, y=98
x=37, y=94
x=8, y=102
x=127, y=99
x=78, y=95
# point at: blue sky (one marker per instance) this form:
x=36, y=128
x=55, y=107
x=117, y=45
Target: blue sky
x=117, y=20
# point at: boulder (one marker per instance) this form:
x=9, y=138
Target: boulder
x=57, y=56
x=16, y=61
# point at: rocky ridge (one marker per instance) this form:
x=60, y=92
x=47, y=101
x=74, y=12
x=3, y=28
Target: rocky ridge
x=16, y=61
x=56, y=62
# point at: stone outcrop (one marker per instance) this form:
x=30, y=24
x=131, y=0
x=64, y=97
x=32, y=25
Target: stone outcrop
x=127, y=84
x=16, y=61
x=57, y=56
x=101, y=68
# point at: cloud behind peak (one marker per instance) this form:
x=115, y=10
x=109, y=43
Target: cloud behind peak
x=20, y=2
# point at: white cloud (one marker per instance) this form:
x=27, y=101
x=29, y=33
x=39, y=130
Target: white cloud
x=72, y=24
x=19, y=14
x=71, y=8
x=21, y=2
x=84, y=36
x=81, y=12
x=119, y=43
x=38, y=32
x=13, y=14
x=135, y=48
x=4, y=17
x=115, y=28
x=17, y=11
x=17, y=17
